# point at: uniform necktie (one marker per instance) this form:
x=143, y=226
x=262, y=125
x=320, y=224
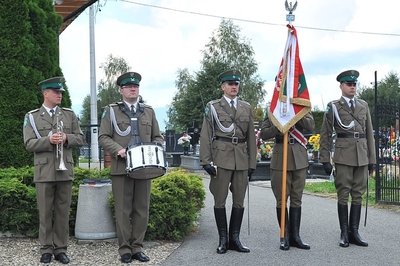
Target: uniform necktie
x=52, y=114
x=133, y=109
x=351, y=106
x=233, y=107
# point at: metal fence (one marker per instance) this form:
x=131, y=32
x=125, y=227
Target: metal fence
x=85, y=152
x=387, y=142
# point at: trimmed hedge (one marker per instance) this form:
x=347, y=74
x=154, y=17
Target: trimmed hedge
x=176, y=200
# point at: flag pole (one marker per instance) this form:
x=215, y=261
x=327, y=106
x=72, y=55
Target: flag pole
x=284, y=172
x=289, y=17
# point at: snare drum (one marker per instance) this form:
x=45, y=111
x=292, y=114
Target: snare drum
x=145, y=160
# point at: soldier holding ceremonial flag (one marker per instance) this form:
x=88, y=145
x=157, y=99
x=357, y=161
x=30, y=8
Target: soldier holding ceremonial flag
x=287, y=119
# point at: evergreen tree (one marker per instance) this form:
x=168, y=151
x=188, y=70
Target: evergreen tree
x=388, y=93
x=29, y=54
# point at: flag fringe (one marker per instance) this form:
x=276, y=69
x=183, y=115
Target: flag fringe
x=284, y=128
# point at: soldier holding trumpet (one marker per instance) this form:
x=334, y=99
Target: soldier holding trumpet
x=50, y=132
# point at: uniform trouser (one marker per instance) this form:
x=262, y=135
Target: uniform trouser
x=350, y=180
x=295, y=182
x=235, y=181
x=54, y=198
x=132, y=202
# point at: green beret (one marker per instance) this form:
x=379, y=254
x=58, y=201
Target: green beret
x=348, y=75
x=129, y=78
x=230, y=75
x=55, y=83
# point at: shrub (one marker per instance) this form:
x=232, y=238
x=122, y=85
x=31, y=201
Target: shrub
x=176, y=200
x=18, y=203
x=19, y=213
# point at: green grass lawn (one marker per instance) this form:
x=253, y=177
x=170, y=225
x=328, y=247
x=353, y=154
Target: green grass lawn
x=328, y=188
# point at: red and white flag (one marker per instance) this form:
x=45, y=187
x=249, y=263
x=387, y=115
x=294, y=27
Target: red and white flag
x=290, y=100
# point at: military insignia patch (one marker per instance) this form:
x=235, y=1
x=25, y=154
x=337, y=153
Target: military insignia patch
x=265, y=113
x=207, y=111
x=328, y=108
x=104, y=113
x=25, y=122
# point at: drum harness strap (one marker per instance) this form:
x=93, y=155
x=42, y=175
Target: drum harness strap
x=133, y=128
x=135, y=138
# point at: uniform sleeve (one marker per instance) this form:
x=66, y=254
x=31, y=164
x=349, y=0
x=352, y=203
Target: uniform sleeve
x=206, y=135
x=326, y=136
x=105, y=133
x=370, y=139
x=268, y=130
x=76, y=138
x=307, y=123
x=32, y=142
x=155, y=130
x=251, y=143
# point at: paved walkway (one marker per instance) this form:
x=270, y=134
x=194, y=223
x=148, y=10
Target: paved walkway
x=319, y=228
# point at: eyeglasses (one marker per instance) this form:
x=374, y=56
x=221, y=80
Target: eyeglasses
x=233, y=83
x=351, y=84
x=130, y=86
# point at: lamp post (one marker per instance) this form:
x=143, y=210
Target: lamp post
x=93, y=92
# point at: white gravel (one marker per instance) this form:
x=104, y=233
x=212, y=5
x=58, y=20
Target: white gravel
x=24, y=251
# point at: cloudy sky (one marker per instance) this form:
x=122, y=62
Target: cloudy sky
x=158, y=37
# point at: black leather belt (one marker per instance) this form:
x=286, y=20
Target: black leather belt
x=234, y=140
x=355, y=135
x=290, y=140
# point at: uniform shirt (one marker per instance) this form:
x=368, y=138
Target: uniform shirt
x=227, y=155
x=297, y=154
x=45, y=159
x=348, y=151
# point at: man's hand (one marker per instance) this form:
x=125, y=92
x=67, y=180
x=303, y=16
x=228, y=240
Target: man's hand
x=370, y=168
x=250, y=173
x=210, y=169
x=327, y=168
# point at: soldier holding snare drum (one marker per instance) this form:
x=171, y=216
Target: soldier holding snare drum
x=132, y=196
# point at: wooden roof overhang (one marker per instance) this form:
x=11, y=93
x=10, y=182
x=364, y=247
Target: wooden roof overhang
x=70, y=10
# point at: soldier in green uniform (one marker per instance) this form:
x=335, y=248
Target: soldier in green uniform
x=349, y=118
x=132, y=196
x=228, y=143
x=52, y=148
x=297, y=164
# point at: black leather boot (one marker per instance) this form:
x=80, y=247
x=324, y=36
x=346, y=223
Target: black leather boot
x=222, y=225
x=343, y=214
x=284, y=245
x=295, y=239
x=354, y=236
x=234, y=230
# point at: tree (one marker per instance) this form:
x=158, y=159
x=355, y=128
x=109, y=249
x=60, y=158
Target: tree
x=226, y=50
x=29, y=53
x=388, y=93
x=108, y=91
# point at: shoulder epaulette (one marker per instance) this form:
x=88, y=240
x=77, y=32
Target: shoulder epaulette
x=361, y=100
x=243, y=102
x=145, y=105
x=33, y=111
x=67, y=109
x=215, y=101
x=114, y=104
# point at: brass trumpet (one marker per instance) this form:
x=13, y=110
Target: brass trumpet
x=60, y=146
